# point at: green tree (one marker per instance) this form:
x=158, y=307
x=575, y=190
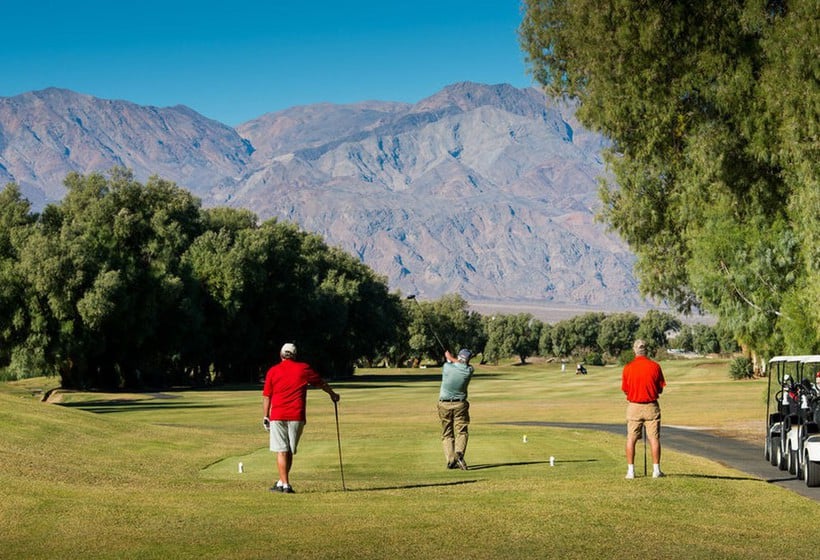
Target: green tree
x=230, y=267
x=685, y=339
x=726, y=339
x=712, y=110
x=265, y=285
x=105, y=283
x=349, y=315
x=509, y=335
x=562, y=339
x=15, y=225
x=446, y=322
x=130, y=285
x=577, y=336
x=617, y=332
x=585, y=332
x=545, y=340
x=704, y=339
x=654, y=327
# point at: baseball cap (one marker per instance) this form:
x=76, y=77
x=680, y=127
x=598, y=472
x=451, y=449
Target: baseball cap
x=288, y=350
x=464, y=355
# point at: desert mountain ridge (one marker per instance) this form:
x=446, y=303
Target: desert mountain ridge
x=488, y=191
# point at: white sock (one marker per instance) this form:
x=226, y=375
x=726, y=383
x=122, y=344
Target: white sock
x=630, y=469
x=279, y=483
x=656, y=468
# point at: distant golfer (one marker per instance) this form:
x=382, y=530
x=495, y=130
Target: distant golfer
x=283, y=406
x=642, y=382
x=453, y=407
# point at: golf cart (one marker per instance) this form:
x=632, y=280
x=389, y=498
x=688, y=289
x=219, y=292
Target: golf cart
x=808, y=443
x=792, y=434
x=781, y=423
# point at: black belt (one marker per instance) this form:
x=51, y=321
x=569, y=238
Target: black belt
x=452, y=400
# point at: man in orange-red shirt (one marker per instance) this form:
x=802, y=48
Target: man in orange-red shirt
x=283, y=405
x=642, y=382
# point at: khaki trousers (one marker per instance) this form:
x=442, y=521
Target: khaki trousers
x=455, y=419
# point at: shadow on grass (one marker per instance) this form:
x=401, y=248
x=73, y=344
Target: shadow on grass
x=714, y=477
x=122, y=405
x=523, y=463
x=412, y=486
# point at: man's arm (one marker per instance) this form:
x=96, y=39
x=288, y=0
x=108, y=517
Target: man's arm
x=661, y=381
x=316, y=380
x=265, y=412
x=334, y=396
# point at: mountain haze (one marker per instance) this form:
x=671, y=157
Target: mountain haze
x=483, y=190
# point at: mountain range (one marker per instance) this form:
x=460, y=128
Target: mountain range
x=488, y=191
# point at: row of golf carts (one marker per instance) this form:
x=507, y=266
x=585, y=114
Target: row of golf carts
x=793, y=434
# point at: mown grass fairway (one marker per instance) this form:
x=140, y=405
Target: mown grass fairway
x=156, y=475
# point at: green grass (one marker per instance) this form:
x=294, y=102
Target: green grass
x=136, y=476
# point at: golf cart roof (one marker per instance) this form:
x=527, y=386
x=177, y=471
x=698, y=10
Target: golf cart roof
x=787, y=359
x=810, y=359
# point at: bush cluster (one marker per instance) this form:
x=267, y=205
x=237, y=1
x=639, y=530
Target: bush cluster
x=741, y=368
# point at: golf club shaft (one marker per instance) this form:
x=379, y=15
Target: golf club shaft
x=644, y=450
x=339, y=441
x=427, y=322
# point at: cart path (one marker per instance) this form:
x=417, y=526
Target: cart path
x=729, y=452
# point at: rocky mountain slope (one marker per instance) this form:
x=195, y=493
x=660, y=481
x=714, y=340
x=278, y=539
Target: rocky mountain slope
x=487, y=191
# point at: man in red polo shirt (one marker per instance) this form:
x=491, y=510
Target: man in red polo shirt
x=642, y=382
x=284, y=398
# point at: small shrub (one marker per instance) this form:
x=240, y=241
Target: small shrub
x=741, y=368
x=594, y=359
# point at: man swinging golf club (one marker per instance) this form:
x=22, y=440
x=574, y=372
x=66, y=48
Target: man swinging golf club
x=283, y=406
x=642, y=381
x=453, y=407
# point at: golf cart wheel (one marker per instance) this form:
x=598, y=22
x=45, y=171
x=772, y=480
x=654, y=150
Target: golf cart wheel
x=774, y=451
x=811, y=473
x=781, y=459
x=791, y=461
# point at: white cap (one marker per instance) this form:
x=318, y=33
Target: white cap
x=288, y=350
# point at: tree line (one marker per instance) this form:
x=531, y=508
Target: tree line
x=599, y=338
x=130, y=285
x=124, y=285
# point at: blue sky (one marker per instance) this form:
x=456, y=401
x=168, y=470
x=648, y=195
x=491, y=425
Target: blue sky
x=235, y=61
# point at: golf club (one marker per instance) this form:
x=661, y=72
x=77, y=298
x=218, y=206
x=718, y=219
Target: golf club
x=429, y=326
x=339, y=441
x=644, y=449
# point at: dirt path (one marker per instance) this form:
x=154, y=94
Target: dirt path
x=734, y=453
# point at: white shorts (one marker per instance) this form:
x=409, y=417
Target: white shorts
x=285, y=435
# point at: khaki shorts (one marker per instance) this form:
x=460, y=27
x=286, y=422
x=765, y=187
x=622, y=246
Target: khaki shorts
x=639, y=415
